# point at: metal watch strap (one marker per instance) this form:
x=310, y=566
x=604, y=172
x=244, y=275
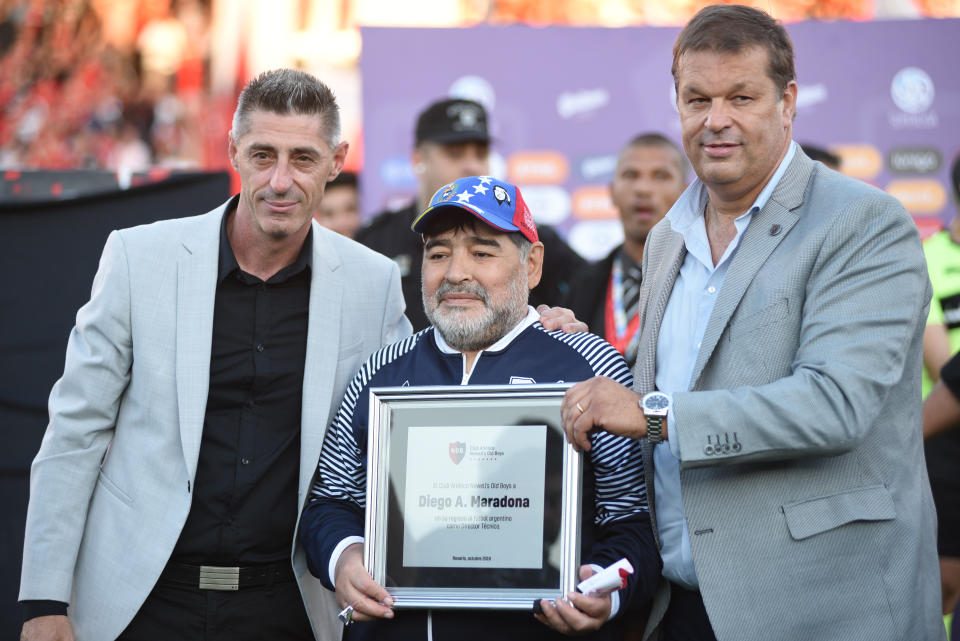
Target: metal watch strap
x=654, y=428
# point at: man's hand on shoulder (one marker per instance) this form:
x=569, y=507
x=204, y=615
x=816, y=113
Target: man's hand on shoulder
x=54, y=627
x=554, y=318
x=601, y=403
x=356, y=587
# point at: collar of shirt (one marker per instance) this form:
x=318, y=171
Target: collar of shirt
x=686, y=215
x=626, y=261
x=228, y=261
x=532, y=317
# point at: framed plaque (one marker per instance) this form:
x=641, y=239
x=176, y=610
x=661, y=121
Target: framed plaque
x=473, y=496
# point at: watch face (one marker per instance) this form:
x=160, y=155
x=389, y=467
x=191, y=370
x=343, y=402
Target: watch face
x=654, y=402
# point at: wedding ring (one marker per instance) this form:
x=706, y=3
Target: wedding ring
x=346, y=616
x=579, y=408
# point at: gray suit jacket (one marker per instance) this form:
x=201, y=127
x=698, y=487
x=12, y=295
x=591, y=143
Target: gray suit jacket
x=802, y=469
x=111, y=485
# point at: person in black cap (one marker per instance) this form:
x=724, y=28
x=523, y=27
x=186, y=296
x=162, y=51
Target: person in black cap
x=451, y=141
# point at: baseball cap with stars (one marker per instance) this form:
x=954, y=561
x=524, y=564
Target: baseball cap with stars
x=497, y=203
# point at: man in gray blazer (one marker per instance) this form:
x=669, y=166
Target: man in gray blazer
x=777, y=384
x=167, y=488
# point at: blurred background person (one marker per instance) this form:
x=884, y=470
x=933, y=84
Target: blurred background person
x=828, y=158
x=89, y=84
x=340, y=207
x=451, y=141
x=942, y=250
x=650, y=175
x=941, y=340
x=941, y=415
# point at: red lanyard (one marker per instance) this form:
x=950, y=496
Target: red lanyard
x=614, y=307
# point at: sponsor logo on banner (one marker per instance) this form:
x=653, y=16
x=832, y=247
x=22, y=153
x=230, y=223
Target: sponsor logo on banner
x=537, y=168
x=859, y=161
x=594, y=239
x=474, y=88
x=919, y=196
x=593, y=202
x=397, y=172
x=594, y=168
x=498, y=166
x=810, y=95
x=582, y=102
x=914, y=160
x=457, y=451
x=913, y=92
x=550, y=204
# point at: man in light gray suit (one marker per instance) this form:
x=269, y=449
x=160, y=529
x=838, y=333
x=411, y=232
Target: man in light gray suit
x=777, y=383
x=168, y=485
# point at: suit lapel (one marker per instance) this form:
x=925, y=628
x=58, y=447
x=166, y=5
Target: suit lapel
x=323, y=348
x=654, y=295
x=766, y=231
x=653, y=305
x=196, y=292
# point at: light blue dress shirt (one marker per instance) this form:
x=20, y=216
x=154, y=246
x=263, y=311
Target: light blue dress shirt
x=684, y=323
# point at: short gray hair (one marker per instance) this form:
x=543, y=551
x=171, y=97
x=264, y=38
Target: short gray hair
x=523, y=244
x=285, y=91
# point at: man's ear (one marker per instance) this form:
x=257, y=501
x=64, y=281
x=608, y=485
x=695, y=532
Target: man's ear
x=232, y=150
x=535, y=264
x=339, y=158
x=789, y=99
x=416, y=161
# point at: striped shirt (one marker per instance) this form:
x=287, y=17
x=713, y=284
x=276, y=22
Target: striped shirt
x=529, y=353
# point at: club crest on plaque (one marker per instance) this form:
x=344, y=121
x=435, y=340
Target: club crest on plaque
x=457, y=450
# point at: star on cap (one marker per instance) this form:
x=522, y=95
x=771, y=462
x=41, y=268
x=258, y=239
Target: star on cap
x=479, y=189
x=485, y=180
x=464, y=196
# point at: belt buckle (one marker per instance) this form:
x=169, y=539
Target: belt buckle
x=217, y=578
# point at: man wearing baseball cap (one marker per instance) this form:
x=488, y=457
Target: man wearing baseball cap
x=482, y=255
x=451, y=141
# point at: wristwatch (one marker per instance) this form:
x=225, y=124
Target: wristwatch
x=655, y=406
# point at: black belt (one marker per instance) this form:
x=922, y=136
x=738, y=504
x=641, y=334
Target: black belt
x=212, y=577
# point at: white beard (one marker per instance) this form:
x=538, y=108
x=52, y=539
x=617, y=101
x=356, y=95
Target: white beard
x=467, y=333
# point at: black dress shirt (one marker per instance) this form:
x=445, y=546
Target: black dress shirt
x=244, y=508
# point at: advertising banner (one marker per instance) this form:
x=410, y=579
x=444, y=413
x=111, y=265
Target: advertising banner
x=563, y=100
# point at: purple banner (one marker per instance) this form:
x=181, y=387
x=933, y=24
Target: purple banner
x=883, y=95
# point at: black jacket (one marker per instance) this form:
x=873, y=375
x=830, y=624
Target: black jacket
x=588, y=293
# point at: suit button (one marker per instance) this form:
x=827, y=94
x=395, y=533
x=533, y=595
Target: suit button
x=260, y=347
x=708, y=450
x=245, y=461
x=726, y=448
x=736, y=447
